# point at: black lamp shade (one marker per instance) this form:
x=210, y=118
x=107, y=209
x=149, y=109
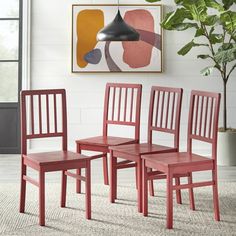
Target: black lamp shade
x=118, y=30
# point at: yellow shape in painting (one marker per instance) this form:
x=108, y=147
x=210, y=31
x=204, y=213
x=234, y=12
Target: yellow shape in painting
x=89, y=22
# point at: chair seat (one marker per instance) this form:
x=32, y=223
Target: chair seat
x=105, y=141
x=57, y=157
x=177, y=159
x=141, y=149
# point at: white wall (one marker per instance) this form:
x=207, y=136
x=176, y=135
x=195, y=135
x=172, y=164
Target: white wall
x=51, y=65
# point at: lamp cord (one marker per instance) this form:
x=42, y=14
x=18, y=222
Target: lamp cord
x=118, y=5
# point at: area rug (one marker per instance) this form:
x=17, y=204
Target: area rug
x=120, y=218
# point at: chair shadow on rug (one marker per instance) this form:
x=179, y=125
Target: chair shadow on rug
x=107, y=222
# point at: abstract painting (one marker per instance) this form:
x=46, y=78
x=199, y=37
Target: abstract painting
x=89, y=55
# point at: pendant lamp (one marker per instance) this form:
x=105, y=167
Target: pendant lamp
x=118, y=30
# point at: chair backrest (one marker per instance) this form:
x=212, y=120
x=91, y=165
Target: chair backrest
x=43, y=115
x=165, y=111
x=122, y=106
x=203, y=118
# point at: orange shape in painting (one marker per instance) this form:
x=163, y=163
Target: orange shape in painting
x=89, y=22
x=138, y=54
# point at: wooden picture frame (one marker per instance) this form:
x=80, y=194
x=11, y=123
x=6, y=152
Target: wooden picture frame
x=143, y=56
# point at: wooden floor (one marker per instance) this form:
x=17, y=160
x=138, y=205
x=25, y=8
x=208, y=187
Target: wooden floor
x=10, y=172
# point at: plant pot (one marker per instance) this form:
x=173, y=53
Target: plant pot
x=226, y=152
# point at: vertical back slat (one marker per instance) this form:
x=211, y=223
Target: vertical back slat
x=206, y=113
x=113, y=102
x=211, y=113
x=157, y=107
x=32, y=113
x=167, y=109
x=131, y=105
x=55, y=112
x=172, y=111
x=119, y=104
x=48, y=120
x=196, y=113
x=40, y=114
x=125, y=106
x=201, y=116
x=64, y=120
x=151, y=116
x=162, y=108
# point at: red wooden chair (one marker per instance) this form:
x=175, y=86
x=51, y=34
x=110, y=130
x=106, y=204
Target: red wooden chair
x=43, y=115
x=202, y=126
x=164, y=116
x=121, y=107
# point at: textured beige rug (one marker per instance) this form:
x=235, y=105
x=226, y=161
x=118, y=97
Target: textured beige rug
x=121, y=218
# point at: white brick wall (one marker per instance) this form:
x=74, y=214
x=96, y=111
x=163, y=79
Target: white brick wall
x=51, y=64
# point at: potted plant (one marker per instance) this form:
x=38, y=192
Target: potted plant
x=214, y=24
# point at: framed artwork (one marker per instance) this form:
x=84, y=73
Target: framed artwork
x=90, y=55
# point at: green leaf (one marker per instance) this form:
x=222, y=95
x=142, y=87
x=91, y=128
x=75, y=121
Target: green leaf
x=228, y=3
x=216, y=38
x=153, y=1
x=173, y=19
x=225, y=56
x=182, y=2
x=199, y=32
x=203, y=56
x=178, y=2
x=214, y=4
x=197, y=8
x=212, y=30
x=207, y=71
x=211, y=20
x=184, y=50
x=228, y=19
x=234, y=38
x=184, y=26
x=226, y=46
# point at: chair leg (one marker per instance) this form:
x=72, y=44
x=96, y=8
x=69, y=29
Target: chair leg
x=191, y=194
x=41, y=198
x=63, y=188
x=140, y=191
x=169, y=202
x=115, y=190
x=151, y=186
x=78, y=172
x=215, y=196
x=78, y=182
x=22, y=188
x=136, y=177
x=88, y=190
x=145, y=189
x=178, y=192
x=113, y=178
x=105, y=169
